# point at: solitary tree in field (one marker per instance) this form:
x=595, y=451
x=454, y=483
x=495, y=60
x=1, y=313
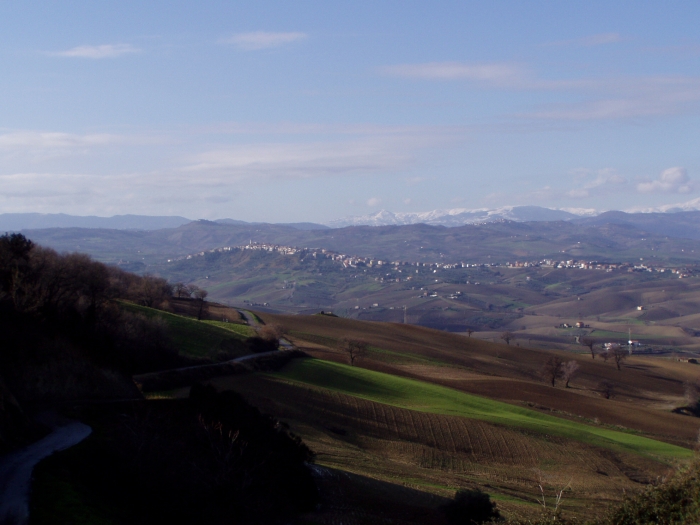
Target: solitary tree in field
x=568, y=371
x=507, y=336
x=607, y=388
x=551, y=371
x=469, y=332
x=618, y=354
x=353, y=348
x=590, y=343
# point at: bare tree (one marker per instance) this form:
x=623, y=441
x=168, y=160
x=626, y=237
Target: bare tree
x=607, y=389
x=590, y=343
x=568, y=371
x=469, y=332
x=200, y=294
x=618, y=354
x=507, y=336
x=353, y=349
x=553, y=508
x=152, y=291
x=551, y=371
x=181, y=290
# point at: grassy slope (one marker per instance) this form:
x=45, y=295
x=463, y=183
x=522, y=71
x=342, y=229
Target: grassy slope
x=195, y=338
x=647, y=388
x=426, y=397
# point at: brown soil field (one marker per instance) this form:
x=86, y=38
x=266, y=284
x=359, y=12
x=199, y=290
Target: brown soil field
x=646, y=389
x=380, y=459
x=438, y=454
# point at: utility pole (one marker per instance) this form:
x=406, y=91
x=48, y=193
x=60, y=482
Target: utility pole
x=404, y=314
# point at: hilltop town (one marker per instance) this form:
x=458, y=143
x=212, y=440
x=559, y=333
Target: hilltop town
x=356, y=261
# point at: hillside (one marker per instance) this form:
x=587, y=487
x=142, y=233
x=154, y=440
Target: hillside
x=428, y=418
x=485, y=243
x=76, y=335
x=656, y=308
x=424, y=412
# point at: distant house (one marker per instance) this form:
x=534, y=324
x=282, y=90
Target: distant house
x=640, y=308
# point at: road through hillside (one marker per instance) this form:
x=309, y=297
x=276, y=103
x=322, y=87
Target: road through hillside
x=254, y=323
x=16, y=470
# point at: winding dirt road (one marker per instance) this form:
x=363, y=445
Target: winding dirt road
x=16, y=470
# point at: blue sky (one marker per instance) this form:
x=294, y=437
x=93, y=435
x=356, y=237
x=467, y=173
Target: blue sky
x=310, y=111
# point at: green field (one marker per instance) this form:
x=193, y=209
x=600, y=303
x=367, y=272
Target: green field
x=239, y=329
x=196, y=338
x=427, y=397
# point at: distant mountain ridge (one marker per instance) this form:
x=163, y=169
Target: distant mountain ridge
x=461, y=216
x=32, y=221
x=10, y=222
x=677, y=222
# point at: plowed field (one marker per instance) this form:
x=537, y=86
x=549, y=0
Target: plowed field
x=439, y=453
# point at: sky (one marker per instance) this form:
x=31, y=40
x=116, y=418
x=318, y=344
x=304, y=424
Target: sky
x=311, y=111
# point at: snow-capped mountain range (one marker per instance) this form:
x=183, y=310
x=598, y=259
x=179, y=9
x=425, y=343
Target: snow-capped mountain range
x=461, y=216
x=668, y=214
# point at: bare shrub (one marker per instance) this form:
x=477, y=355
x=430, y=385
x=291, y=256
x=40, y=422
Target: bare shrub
x=607, y=389
x=618, y=355
x=507, y=337
x=271, y=332
x=568, y=371
x=552, y=370
x=353, y=348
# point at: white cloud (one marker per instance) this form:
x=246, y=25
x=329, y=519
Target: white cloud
x=671, y=180
x=302, y=160
x=263, y=40
x=491, y=73
x=19, y=149
x=294, y=128
x=52, y=140
x=590, y=40
x=600, y=39
x=691, y=205
x=412, y=181
x=627, y=98
x=407, y=201
x=613, y=98
x=596, y=183
x=588, y=183
x=96, y=52
x=374, y=201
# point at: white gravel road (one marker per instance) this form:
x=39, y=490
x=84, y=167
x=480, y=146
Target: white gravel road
x=16, y=470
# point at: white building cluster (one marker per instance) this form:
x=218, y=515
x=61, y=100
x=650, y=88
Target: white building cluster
x=354, y=261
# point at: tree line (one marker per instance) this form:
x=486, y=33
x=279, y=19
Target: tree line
x=64, y=332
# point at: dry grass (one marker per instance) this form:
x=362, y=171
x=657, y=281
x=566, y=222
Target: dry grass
x=437, y=453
